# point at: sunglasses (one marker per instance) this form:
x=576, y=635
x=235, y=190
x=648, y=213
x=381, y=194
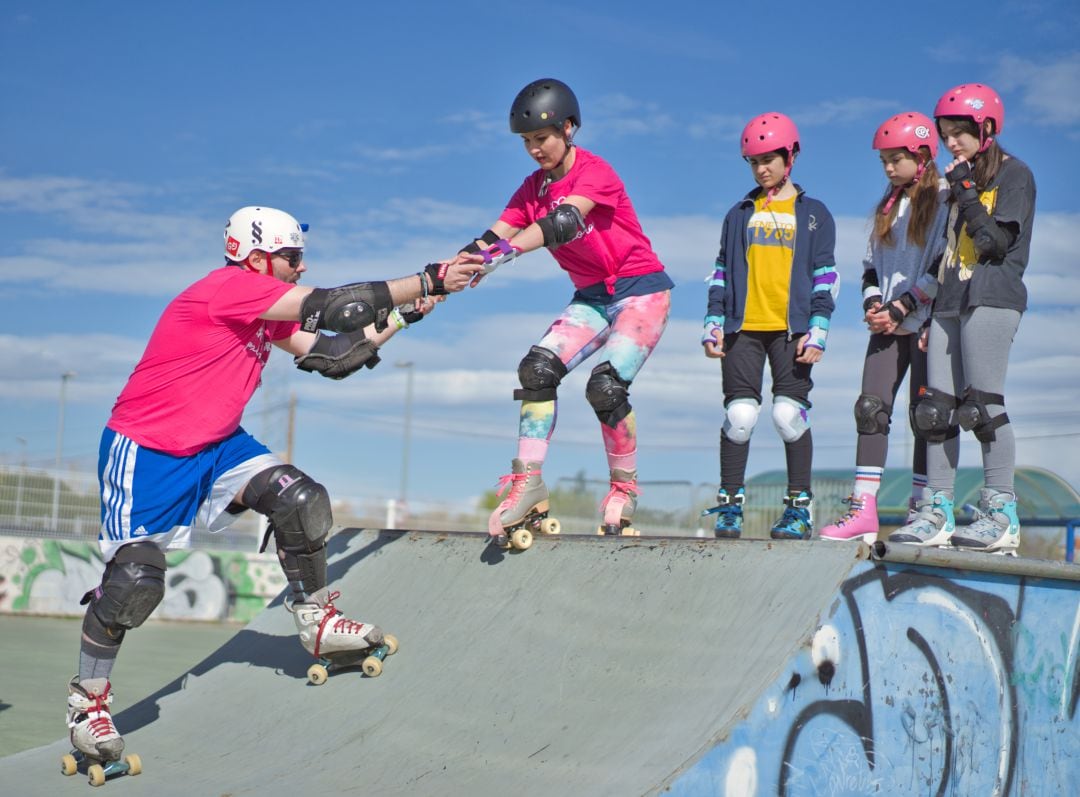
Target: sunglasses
x=294, y=256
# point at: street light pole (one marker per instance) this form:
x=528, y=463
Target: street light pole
x=18, y=488
x=403, y=490
x=64, y=377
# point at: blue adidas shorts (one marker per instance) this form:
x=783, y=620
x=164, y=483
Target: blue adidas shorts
x=150, y=495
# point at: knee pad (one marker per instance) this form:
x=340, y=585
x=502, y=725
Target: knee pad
x=297, y=506
x=931, y=415
x=539, y=372
x=608, y=394
x=131, y=588
x=740, y=417
x=790, y=418
x=872, y=414
x=973, y=416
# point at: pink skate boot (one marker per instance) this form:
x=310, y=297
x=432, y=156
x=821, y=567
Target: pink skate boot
x=860, y=522
x=619, y=505
x=524, y=511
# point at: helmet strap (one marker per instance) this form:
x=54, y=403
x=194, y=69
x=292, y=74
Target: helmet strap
x=783, y=180
x=901, y=188
x=549, y=177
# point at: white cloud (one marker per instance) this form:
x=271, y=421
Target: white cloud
x=1048, y=91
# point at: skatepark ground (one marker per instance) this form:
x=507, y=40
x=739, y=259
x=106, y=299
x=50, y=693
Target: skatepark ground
x=600, y=666
x=38, y=656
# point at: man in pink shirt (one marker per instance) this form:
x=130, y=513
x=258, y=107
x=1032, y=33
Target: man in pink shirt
x=576, y=206
x=173, y=452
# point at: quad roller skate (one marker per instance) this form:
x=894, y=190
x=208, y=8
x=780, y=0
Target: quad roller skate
x=98, y=747
x=524, y=511
x=337, y=642
x=619, y=505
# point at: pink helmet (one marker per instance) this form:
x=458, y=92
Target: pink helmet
x=975, y=101
x=910, y=130
x=767, y=133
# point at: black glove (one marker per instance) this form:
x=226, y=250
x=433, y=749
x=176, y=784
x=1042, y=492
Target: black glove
x=961, y=184
x=410, y=316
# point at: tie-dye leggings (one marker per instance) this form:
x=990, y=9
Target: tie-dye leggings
x=625, y=333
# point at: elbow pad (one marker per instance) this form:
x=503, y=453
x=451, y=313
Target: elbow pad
x=991, y=239
x=561, y=225
x=349, y=308
x=337, y=356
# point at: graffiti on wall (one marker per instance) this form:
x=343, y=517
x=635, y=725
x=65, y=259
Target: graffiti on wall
x=39, y=576
x=922, y=681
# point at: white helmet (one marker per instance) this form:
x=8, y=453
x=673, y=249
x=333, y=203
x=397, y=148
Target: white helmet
x=265, y=229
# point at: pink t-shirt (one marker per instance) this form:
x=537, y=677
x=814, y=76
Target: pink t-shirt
x=612, y=244
x=202, y=363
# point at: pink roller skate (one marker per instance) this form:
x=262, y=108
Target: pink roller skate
x=619, y=505
x=524, y=511
x=860, y=522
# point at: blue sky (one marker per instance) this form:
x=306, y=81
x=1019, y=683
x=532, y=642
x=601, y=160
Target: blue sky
x=132, y=130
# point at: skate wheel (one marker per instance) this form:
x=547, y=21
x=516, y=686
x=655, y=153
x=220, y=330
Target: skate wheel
x=630, y=531
x=521, y=539
x=391, y=644
x=134, y=764
x=317, y=674
x=372, y=667
x=95, y=773
x=68, y=764
x=550, y=525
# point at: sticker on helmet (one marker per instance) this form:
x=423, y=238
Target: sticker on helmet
x=976, y=103
x=232, y=246
x=922, y=131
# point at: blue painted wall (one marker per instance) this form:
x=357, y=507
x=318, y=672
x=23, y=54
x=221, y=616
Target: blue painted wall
x=920, y=681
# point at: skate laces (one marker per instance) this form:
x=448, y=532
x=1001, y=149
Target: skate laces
x=99, y=718
x=515, y=483
x=855, y=506
x=621, y=488
x=341, y=625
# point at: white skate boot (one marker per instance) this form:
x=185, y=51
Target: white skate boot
x=336, y=641
x=325, y=631
x=92, y=731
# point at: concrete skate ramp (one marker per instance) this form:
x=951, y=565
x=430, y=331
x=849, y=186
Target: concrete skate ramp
x=582, y=666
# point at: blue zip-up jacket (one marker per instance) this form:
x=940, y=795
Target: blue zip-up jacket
x=813, y=268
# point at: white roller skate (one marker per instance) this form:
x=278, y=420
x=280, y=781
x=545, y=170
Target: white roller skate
x=524, y=511
x=619, y=505
x=98, y=746
x=934, y=524
x=996, y=527
x=335, y=640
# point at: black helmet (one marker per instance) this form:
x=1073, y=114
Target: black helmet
x=542, y=103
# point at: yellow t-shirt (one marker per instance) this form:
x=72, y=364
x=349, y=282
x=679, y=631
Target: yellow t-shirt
x=771, y=233
x=960, y=249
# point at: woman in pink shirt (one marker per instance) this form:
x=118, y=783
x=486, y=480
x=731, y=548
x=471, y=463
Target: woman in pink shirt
x=576, y=206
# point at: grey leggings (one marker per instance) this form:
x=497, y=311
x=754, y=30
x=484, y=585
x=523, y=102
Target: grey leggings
x=972, y=349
